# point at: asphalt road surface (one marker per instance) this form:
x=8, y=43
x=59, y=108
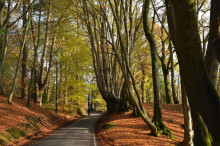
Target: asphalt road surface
x=80, y=133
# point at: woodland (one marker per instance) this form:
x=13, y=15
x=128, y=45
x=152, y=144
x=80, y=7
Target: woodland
x=115, y=55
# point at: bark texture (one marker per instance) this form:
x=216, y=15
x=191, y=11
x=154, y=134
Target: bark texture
x=157, y=118
x=199, y=88
x=24, y=63
x=211, y=58
x=188, y=131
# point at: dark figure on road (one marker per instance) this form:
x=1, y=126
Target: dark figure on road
x=89, y=112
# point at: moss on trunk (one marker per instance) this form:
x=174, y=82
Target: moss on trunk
x=199, y=88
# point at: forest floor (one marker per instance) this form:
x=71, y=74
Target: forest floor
x=20, y=125
x=125, y=130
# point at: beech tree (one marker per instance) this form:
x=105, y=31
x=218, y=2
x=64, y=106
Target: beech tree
x=124, y=46
x=157, y=118
x=211, y=60
x=108, y=73
x=199, y=89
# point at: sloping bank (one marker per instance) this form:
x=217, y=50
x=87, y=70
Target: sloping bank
x=125, y=129
x=20, y=125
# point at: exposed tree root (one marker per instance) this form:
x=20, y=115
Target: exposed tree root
x=163, y=129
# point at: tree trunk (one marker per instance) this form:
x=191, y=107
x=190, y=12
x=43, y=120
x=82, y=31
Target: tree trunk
x=175, y=99
x=57, y=82
x=199, y=88
x=15, y=78
x=48, y=91
x=188, y=132
x=1, y=88
x=24, y=64
x=3, y=50
x=143, y=82
x=30, y=88
x=201, y=133
x=155, y=75
x=66, y=90
x=113, y=107
x=17, y=68
x=211, y=59
x=37, y=95
x=166, y=83
x=218, y=6
x=43, y=57
x=157, y=118
x=117, y=105
x=35, y=63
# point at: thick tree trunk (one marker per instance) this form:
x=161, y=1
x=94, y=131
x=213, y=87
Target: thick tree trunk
x=211, y=58
x=117, y=105
x=218, y=6
x=156, y=83
x=113, y=107
x=199, y=88
x=201, y=133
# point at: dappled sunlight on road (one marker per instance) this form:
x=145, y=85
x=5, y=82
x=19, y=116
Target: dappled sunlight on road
x=80, y=133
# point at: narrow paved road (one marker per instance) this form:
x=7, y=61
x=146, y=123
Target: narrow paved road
x=80, y=133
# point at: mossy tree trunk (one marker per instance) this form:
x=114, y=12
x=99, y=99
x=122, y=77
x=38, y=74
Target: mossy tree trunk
x=172, y=28
x=199, y=88
x=201, y=133
x=166, y=81
x=167, y=85
x=157, y=118
x=165, y=70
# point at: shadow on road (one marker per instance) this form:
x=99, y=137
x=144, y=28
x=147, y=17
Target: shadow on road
x=79, y=133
